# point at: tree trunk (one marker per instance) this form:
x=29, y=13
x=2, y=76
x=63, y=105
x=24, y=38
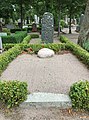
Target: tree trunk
x=84, y=28
x=46, y=6
x=59, y=18
x=58, y=24
x=0, y=27
x=70, y=16
x=21, y=8
x=27, y=20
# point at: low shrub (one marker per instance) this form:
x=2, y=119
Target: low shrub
x=12, y=93
x=55, y=47
x=34, y=35
x=8, y=39
x=62, y=23
x=8, y=56
x=26, y=39
x=86, y=45
x=8, y=46
x=17, y=29
x=64, y=39
x=14, y=38
x=36, y=47
x=79, y=94
x=82, y=54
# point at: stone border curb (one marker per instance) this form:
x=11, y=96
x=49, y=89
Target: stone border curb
x=47, y=100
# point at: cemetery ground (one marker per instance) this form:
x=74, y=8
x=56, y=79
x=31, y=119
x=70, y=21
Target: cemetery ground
x=33, y=113
x=54, y=75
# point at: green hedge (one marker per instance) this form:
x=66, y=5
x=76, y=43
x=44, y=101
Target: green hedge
x=14, y=38
x=36, y=47
x=12, y=93
x=8, y=46
x=79, y=94
x=63, y=39
x=82, y=54
x=34, y=35
x=86, y=45
x=17, y=29
x=26, y=39
x=8, y=56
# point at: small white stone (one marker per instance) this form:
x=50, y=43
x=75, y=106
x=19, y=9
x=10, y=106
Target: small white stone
x=45, y=53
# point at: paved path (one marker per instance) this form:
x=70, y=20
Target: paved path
x=74, y=36
x=35, y=41
x=54, y=75
x=38, y=40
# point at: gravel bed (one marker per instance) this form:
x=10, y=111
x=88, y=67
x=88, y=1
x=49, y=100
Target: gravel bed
x=42, y=114
x=53, y=75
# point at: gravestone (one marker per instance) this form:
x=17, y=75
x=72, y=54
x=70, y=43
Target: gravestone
x=3, y=34
x=34, y=27
x=47, y=28
x=80, y=23
x=66, y=19
x=10, y=26
x=0, y=45
x=36, y=19
x=81, y=19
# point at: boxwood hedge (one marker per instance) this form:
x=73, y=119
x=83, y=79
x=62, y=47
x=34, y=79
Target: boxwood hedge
x=12, y=93
x=82, y=54
x=27, y=39
x=8, y=56
x=34, y=35
x=36, y=47
x=14, y=38
x=8, y=46
x=79, y=94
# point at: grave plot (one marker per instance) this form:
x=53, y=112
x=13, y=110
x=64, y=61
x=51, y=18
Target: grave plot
x=53, y=75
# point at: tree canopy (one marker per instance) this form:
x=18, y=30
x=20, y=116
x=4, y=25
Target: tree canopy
x=24, y=8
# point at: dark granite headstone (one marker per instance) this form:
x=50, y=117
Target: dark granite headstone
x=10, y=26
x=47, y=31
x=34, y=27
